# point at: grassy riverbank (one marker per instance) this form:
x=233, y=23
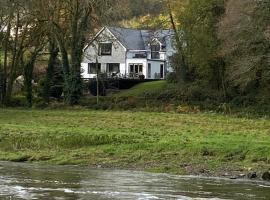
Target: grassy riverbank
x=164, y=142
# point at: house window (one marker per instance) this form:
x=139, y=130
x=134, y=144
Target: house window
x=135, y=70
x=105, y=49
x=155, y=48
x=92, y=68
x=149, y=70
x=140, y=55
x=113, y=68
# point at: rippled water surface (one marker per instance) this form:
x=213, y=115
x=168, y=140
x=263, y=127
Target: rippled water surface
x=27, y=181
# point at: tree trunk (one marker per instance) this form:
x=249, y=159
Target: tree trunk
x=75, y=90
x=182, y=69
x=15, y=60
x=28, y=77
x=5, y=66
x=51, y=63
x=74, y=45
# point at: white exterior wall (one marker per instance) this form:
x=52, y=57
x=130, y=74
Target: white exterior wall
x=125, y=57
x=91, y=53
x=123, y=70
x=118, y=50
x=142, y=61
x=162, y=55
x=84, y=71
x=155, y=69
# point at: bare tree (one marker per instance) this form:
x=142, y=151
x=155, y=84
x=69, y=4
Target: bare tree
x=181, y=66
x=70, y=22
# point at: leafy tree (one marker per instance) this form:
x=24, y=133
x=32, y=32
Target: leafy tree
x=199, y=24
x=21, y=33
x=179, y=59
x=50, y=72
x=244, y=32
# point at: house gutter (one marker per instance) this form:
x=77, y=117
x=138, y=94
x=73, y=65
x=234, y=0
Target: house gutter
x=138, y=50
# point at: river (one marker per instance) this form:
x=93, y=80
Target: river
x=32, y=181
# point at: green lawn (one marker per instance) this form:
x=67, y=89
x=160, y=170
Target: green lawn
x=163, y=142
x=142, y=88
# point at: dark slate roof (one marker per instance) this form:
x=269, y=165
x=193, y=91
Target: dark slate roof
x=134, y=39
x=130, y=38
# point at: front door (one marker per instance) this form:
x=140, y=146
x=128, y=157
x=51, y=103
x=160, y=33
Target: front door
x=161, y=71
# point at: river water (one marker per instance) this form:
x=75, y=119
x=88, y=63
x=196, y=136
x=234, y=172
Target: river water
x=31, y=181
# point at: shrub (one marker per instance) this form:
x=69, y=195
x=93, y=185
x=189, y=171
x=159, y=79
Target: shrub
x=17, y=101
x=56, y=91
x=102, y=88
x=171, y=77
x=40, y=103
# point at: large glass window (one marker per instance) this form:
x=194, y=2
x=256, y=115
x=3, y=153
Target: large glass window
x=135, y=70
x=105, y=49
x=113, y=68
x=92, y=68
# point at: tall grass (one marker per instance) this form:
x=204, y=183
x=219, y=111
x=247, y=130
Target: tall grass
x=139, y=139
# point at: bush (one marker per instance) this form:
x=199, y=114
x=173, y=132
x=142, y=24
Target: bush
x=17, y=101
x=56, y=91
x=171, y=77
x=40, y=103
x=102, y=88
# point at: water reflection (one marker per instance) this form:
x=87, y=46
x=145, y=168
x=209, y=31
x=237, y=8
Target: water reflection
x=27, y=181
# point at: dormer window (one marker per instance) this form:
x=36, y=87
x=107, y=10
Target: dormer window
x=105, y=49
x=163, y=47
x=155, y=48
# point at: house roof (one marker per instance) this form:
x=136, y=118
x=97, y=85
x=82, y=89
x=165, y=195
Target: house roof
x=130, y=38
x=134, y=39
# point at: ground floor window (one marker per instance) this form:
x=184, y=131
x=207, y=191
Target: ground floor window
x=92, y=68
x=136, y=71
x=136, y=68
x=113, y=68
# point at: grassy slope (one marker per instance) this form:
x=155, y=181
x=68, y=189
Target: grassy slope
x=176, y=143
x=142, y=88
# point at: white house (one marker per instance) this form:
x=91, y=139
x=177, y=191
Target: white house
x=129, y=53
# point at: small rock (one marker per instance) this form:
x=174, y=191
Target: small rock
x=226, y=174
x=189, y=168
x=266, y=176
x=252, y=175
x=202, y=171
x=184, y=165
x=242, y=175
